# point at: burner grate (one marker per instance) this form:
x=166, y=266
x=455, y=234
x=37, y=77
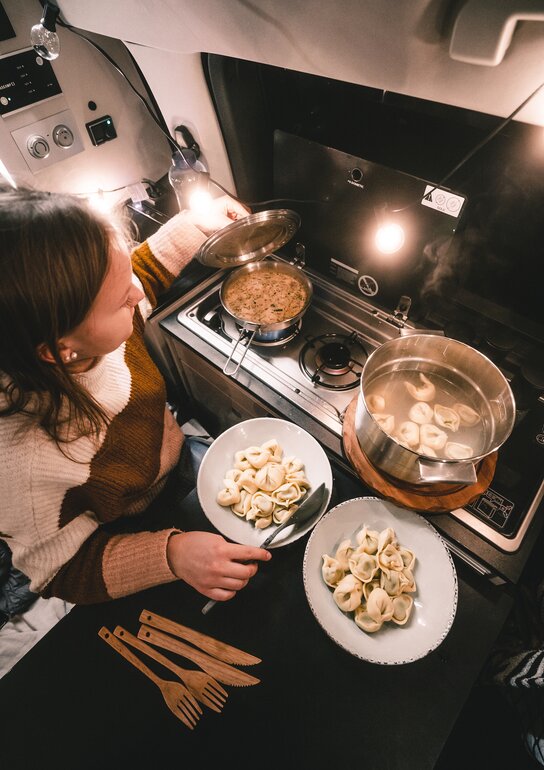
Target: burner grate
x=333, y=361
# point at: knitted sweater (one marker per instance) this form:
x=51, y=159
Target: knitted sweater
x=52, y=507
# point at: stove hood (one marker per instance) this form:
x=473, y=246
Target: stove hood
x=482, y=55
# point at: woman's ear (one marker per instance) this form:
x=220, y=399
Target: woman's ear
x=44, y=353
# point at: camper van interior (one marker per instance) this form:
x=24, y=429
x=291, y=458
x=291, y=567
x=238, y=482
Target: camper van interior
x=393, y=155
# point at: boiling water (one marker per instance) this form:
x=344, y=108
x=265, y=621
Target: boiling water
x=398, y=402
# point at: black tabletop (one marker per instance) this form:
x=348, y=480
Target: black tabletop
x=74, y=700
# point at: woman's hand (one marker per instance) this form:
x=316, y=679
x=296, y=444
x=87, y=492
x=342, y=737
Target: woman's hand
x=221, y=212
x=211, y=565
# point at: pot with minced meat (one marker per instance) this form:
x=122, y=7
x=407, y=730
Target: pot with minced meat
x=266, y=296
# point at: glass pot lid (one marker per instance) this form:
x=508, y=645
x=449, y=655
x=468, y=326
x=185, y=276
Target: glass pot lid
x=249, y=239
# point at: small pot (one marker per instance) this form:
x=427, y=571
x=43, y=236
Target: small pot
x=443, y=359
x=269, y=332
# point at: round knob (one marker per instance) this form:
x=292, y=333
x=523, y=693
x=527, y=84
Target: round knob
x=62, y=136
x=37, y=147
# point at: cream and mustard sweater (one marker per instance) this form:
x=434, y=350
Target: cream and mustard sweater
x=52, y=508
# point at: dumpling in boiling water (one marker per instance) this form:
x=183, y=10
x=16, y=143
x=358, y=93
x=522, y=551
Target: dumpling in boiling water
x=408, y=433
x=467, y=414
x=348, y=593
x=331, y=571
x=423, y=391
x=375, y=402
x=421, y=412
x=270, y=477
x=431, y=436
x=385, y=421
x=458, y=451
x=426, y=450
x=446, y=417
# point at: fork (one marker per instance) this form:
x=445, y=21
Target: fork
x=203, y=686
x=176, y=696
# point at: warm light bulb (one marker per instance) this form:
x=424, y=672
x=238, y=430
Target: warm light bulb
x=200, y=201
x=389, y=238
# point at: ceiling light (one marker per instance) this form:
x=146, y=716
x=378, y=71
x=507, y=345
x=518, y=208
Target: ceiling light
x=43, y=36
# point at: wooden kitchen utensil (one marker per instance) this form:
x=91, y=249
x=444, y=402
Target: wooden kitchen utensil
x=222, y=671
x=221, y=650
x=176, y=696
x=201, y=685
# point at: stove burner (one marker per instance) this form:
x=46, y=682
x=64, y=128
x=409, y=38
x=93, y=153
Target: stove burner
x=269, y=339
x=333, y=361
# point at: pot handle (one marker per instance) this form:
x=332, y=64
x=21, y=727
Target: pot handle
x=460, y=473
x=243, y=333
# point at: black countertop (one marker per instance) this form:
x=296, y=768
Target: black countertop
x=316, y=706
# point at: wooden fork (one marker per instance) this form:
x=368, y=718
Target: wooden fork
x=176, y=696
x=203, y=686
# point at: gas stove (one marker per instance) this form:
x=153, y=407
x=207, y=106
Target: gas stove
x=312, y=375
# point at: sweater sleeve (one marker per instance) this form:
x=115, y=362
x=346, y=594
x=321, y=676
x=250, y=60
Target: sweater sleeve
x=109, y=566
x=159, y=259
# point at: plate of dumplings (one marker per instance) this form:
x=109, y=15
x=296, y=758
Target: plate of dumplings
x=255, y=475
x=380, y=581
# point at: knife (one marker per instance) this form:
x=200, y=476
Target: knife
x=221, y=650
x=300, y=516
x=223, y=672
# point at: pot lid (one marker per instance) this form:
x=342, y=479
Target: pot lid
x=249, y=239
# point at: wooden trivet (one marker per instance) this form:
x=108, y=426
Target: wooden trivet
x=431, y=498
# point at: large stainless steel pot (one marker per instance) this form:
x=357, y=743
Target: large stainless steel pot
x=449, y=360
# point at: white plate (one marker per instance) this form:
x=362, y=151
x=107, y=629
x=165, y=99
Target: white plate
x=219, y=458
x=435, y=600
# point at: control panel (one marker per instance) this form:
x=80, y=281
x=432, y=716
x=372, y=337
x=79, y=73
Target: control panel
x=25, y=78
x=48, y=141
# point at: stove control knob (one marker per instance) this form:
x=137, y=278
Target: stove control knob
x=62, y=136
x=38, y=147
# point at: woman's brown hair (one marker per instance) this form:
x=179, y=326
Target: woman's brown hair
x=54, y=255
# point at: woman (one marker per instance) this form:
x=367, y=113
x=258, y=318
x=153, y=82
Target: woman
x=86, y=437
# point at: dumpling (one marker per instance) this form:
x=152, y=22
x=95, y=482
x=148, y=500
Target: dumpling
x=288, y=493
x=369, y=587
x=421, y=412
x=367, y=540
x=243, y=505
x=233, y=474
x=230, y=494
x=331, y=571
x=385, y=421
x=263, y=502
x=446, y=417
x=408, y=433
x=379, y=606
x=402, y=607
x=431, y=436
x=365, y=622
x=363, y=565
x=270, y=477
x=390, y=558
x=281, y=514
x=276, y=452
x=426, y=450
x=246, y=481
x=343, y=552
x=257, y=456
x=467, y=414
x=298, y=477
x=348, y=593
x=385, y=537
x=390, y=582
x=408, y=557
x=375, y=402
x=423, y=391
x=292, y=464
x=458, y=451
x=240, y=460
x=407, y=581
